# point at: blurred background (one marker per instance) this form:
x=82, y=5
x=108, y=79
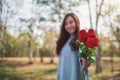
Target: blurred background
x=29, y=30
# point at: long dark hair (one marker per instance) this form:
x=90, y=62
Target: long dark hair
x=64, y=35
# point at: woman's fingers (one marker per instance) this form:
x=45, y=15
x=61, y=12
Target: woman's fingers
x=88, y=64
x=85, y=63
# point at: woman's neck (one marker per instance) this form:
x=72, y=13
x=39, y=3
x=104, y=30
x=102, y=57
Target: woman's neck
x=71, y=35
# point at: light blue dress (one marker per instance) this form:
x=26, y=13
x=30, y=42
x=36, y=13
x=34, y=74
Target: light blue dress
x=69, y=65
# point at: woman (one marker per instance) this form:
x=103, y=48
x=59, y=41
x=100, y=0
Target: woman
x=69, y=66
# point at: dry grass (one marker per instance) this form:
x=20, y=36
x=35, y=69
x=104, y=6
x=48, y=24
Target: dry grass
x=19, y=69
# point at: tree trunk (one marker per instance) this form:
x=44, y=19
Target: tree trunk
x=4, y=28
x=97, y=52
x=1, y=40
x=51, y=55
x=111, y=55
x=31, y=56
x=31, y=51
x=41, y=59
x=41, y=56
x=3, y=43
x=119, y=49
x=98, y=60
x=90, y=16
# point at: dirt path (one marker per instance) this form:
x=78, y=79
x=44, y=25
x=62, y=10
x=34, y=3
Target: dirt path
x=116, y=78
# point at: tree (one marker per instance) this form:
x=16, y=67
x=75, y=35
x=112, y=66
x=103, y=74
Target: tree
x=1, y=32
x=90, y=16
x=1, y=41
x=113, y=23
x=49, y=43
x=57, y=10
x=116, y=30
x=98, y=9
x=7, y=11
x=97, y=53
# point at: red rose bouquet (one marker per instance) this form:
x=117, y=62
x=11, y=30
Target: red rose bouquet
x=87, y=45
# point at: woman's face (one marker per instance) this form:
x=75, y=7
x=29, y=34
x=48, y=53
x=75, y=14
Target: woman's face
x=70, y=25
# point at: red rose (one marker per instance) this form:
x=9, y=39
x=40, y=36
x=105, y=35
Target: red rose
x=91, y=33
x=82, y=36
x=92, y=42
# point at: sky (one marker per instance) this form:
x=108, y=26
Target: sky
x=84, y=17
x=83, y=9
x=25, y=11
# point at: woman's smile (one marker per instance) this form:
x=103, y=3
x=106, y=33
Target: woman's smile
x=70, y=25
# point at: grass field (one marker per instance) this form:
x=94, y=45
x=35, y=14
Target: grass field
x=19, y=69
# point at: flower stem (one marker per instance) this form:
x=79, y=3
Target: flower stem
x=82, y=76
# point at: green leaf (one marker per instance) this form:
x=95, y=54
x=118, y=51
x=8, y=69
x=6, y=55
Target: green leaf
x=91, y=60
x=93, y=49
x=90, y=54
x=79, y=55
